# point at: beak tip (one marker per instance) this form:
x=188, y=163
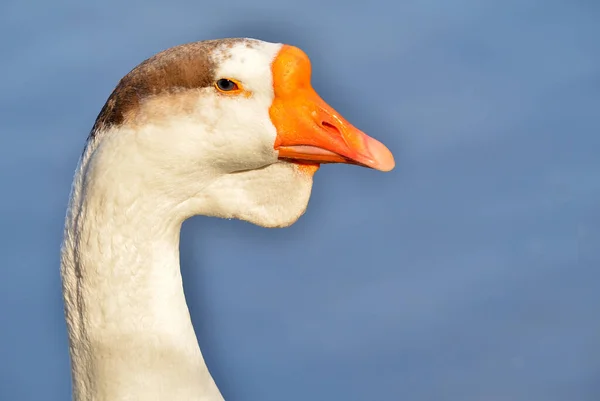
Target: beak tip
x=383, y=160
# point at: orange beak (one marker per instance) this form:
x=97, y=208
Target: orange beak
x=311, y=131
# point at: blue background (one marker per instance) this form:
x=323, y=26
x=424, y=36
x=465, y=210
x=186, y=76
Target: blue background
x=471, y=272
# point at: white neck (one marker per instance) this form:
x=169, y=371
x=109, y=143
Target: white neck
x=130, y=333
x=131, y=337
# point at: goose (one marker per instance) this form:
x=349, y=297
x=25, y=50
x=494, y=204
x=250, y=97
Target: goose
x=228, y=128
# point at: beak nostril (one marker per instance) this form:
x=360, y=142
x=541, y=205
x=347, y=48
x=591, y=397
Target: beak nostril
x=330, y=127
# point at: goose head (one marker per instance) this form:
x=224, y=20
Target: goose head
x=229, y=128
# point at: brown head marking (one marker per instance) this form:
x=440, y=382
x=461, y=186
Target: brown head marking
x=188, y=66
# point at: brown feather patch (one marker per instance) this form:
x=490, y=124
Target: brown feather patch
x=188, y=66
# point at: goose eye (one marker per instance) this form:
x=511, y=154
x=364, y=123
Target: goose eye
x=226, y=85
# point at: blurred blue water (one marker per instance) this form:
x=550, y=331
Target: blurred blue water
x=471, y=272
